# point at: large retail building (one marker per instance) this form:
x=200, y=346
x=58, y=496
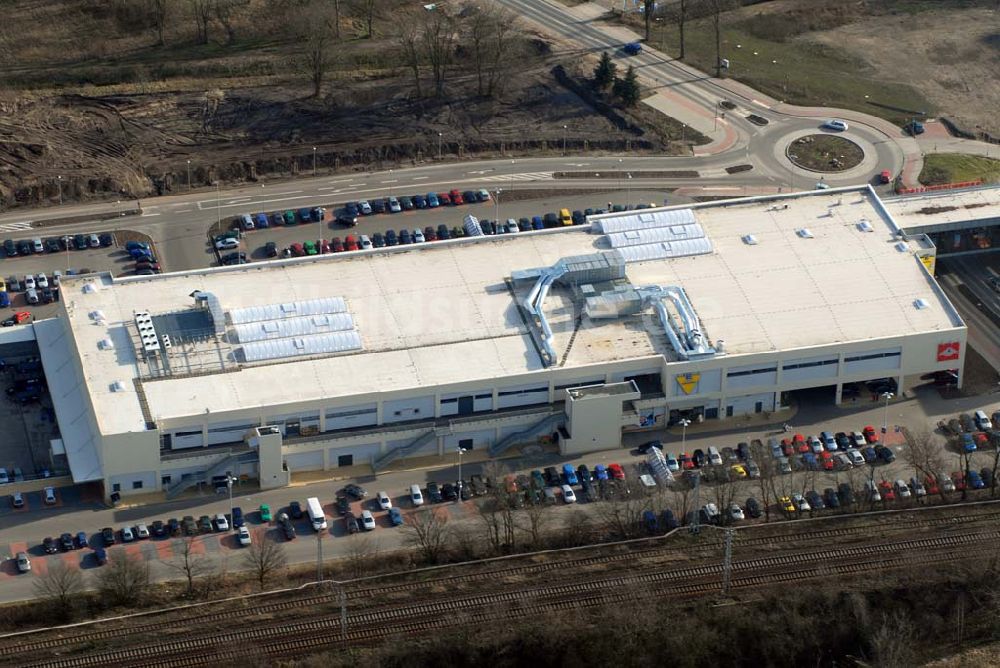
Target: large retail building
x=629, y=322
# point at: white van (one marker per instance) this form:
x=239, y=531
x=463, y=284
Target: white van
x=415, y=496
x=982, y=421
x=714, y=458
x=316, y=514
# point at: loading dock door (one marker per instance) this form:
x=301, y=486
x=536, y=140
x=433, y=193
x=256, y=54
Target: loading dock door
x=466, y=405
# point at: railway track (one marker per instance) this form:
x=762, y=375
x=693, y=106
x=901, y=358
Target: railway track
x=366, y=625
x=360, y=597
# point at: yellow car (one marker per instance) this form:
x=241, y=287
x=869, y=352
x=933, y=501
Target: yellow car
x=787, y=505
x=3, y=285
x=739, y=470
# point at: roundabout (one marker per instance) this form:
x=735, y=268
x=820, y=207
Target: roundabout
x=829, y=154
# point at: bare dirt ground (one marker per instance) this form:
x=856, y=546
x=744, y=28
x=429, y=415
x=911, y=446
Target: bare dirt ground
x=91, y=107
x=952, y=57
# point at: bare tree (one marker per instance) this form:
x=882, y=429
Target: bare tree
x=225, y=11
x=622, y=514
x=158, y=18
x=682, y=9
x=409, y=43
x=189, y=561
x=201, y=11
x=314, y=25
x=578, y=529
x=648, y=7
x=367, y=10
x=533, y=521
x=437, y=40
x=924, y=453
x=995, y=464
x=893, y=641
x=60, y=585
x=492, y=34
x=125, y=579
x=428, y=532
x=768, y=465
x=361, y=551
x=716, y=7
x=264, y=557
x=336, y=19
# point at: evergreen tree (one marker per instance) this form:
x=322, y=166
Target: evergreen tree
x=604, y=73
x=628, y=88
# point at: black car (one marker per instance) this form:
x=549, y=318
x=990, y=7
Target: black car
x=295, y=510
x=378, y=205
x=583, y=473
x=434, y=492
x=649, y=445
x=830, y=497
x=66, y=542
x=49, y=545
x=420, y=201
x=106, y=239
x=477, y=484
x=108, y=535
x=743, y=451
x=466, y=491
x=442, y=232
x=885, y=454
x=52, y=245
x=406, y=203
x=579, y=218
x=24, y=248
x=343, y=505
x=173, y=527
x=10, y=248
x=158, y=529
x=845, y=494
x=523, y=224
x=390, y=238
x=404, y=237
x=234, y=258
x=699, y=457
x=351, y=210
x=752, y=507
x=271, y=249
x=449, y=492
x=286, y=525
x=843, y=442
x=550, y=220
x=352, y=523
x=586, y=488
x=347, y=219
x=487, y=226
x=205, y=524
x=470, y=197
x=48, y=296
x=378, y=241
x=552, y=477
x=815, y=500
x=355, y=491
x=667, y=520
x=190, y=526
x=987, y=476
x=80, y=241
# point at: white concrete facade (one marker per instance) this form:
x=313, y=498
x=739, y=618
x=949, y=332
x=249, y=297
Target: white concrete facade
x=839, y=306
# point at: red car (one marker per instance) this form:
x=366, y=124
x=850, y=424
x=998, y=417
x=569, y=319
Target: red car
x=931, y=484
x=324, y=247
x=885, y=488
x=444, y=199
x=456, y=197
x=17, y=319
x=297, y=250
x=786, y=447
x=337, y=245
x=870, y=434
x=827, y=458
x=885, y=176
x=430, y=234
x=958, y=477
x=685, y=460
x=350, y=243
x=616, y=471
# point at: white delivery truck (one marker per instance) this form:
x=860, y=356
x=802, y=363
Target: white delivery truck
x=316, y=514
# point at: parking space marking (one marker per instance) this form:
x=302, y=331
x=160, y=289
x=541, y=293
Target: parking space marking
x=40, y=567
x=210, y=543
x=149, y=551
x=71, y=559
x=164, y=549
x=17, y=547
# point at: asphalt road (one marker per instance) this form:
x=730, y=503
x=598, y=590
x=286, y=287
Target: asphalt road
x=24, y=529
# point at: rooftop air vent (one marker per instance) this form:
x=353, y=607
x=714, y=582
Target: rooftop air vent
x=804, y=233
x=118, y=386
x=749, y=239
x=106, y=344
x=902, y=247
x=865, y=226
x=920, y=304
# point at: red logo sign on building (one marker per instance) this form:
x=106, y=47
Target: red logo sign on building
x=948, y=351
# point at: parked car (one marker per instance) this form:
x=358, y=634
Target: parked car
x=23, y=562
x=265, y=512
x=396, y=517
x=128, y=535
x=243, y=536
x=753, y=508
x=384, y=502
x=367, y=520
x=434, y=492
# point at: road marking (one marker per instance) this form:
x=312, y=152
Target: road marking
x=150, y=214
x=260, y=201
x=420, y=178
x=482, y=171
x=501, y=178
x=183, y=210
x=392, y=181
x=577, y=164
x=340, y=181
x=723, y=188
x=14, y=227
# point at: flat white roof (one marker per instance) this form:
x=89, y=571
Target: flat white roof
x=442, y=313
x=937, y=208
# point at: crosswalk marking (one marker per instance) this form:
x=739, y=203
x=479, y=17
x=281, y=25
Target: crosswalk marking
x=15, y=227
x=527, y=176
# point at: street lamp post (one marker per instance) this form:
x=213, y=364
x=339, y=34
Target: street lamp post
x=885, y=415
x=218, y=203
x=512, y=175
x=390, y=183
x=229, y=483
x=628, y=190
x=314, y=161
x=684, y=423
x=439, y=146
x=564, y=140
x=496, y=206
x=59, y=180
x=189, y=174
x=460, y=451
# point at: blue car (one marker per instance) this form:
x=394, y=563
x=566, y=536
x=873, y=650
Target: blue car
x=869, y=454
x=632, y=48
x=262, y=220
x=650, y=521
x=81, y=539
x=537, y=223
x=569, y=475
x=419, y=201
x=305, y=215
x=101, y=556
x=810, y=461
x=600, y=472
x=4, y=299
x=277, y=220
x=432, y=200
x=238, y=520
x=968, y=445
x=974, y=480
x=396, y=517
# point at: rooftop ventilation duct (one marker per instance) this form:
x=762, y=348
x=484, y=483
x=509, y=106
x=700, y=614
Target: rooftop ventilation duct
x=211, y=303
